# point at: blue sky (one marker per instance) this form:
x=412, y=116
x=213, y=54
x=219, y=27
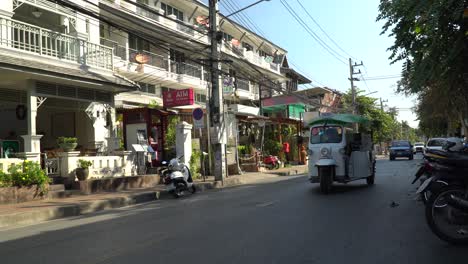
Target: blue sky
x=352, y=25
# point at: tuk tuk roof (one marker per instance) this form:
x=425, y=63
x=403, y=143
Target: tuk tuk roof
x=339, y=119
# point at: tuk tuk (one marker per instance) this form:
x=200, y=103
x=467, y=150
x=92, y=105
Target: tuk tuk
x=337, y=153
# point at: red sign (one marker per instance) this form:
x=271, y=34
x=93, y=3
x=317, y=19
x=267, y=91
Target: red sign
x=178, y=97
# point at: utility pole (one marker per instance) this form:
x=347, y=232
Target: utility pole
x=352, y=79
x=381, y=103
x=216, y=100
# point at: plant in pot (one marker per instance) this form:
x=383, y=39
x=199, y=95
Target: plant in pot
x=67, y=143
x=82, y=171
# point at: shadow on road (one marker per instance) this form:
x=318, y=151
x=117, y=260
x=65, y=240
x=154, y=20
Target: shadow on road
x=343, y=188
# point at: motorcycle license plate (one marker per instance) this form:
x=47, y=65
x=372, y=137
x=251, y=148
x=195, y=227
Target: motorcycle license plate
x=424, y=185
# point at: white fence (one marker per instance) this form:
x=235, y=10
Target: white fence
x=26, y=37
x=7, y=163
x=123, y=164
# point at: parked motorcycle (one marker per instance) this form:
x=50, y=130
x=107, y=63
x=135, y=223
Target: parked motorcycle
x=441, y=168
x=449, y=223
x=271, y=162
x=447, y=208
x=177, y=177
x=427, y=169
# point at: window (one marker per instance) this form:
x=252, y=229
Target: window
x=137, y=43
x=177, y=56
x=247, y=46
x=400, y=144
x=435, y=143
x=227, y=37
x=169, y=10
x=200, y=98
x=148, y=88
x=263, y=53
x=328, y=134
x=101, y=31
x=87, y=25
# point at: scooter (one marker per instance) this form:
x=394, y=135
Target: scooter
x=178, y=178
x=447, y=208
x=271, y=162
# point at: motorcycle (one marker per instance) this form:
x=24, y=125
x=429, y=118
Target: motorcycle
x=427, y=169
x=271, y=162
x=441, y=168
x=449, y=223
x=447, y=208
x=177, y=177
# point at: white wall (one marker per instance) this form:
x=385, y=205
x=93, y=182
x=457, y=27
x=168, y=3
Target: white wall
x=6, y=5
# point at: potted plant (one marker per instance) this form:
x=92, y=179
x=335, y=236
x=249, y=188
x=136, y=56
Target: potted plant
x=82, y=171
x=67, y=143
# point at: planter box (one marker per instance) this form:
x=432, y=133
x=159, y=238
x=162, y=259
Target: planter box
x=11, y=195
x=116, y=184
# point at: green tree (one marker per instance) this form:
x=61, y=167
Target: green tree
x=383, y=124
x=429, y=40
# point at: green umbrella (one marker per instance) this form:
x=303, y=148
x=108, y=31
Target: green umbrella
x=339, y=119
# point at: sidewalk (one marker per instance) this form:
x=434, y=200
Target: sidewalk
x=12, y=215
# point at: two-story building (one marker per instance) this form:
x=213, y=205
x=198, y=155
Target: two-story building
x=57, y=80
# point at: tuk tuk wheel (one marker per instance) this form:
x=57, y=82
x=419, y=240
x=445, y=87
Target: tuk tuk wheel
x=371, y=179
x=326, y=179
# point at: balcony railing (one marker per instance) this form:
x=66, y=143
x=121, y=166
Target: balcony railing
x=242, y=84
x=185, y=68
x=186, y=29
x=155, y=60
x=148, y=14
x=30, y=38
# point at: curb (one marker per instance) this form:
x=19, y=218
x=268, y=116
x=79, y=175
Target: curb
x=47, y=214
x=42, y=215
x=37, y=216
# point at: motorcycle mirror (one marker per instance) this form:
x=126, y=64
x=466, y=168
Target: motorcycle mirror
x=180, y=157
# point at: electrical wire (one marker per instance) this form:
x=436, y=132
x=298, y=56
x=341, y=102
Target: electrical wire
x=100, y=18
x=312, y=33
x=324, y=32
x=259, y=31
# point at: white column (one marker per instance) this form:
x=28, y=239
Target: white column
x=113, y=142
x=100, y=130
x=32, y=142
x=6, y=12
x=184, y=141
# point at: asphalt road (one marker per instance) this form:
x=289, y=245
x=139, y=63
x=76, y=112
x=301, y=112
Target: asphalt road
x=285, y=221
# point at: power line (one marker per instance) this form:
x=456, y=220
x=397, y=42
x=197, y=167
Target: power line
x=100, y=18
x=324, y=32
x=253, y=24
x=246, y=16
x=311, y=32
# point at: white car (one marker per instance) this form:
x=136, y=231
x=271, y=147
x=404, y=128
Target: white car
x=435, y=143
x=418, y=147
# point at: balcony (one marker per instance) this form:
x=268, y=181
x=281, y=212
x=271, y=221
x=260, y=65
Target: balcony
x=185, y=68
x=28, y=38
x=160, y=68
x=243, y=84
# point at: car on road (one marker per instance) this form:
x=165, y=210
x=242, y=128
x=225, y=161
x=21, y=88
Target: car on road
x=401, y=148
x=435, y=144
x=419, y=147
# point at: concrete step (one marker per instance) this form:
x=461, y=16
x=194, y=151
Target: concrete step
x=56, y=187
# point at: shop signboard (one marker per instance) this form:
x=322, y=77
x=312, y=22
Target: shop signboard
x=174, y=98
